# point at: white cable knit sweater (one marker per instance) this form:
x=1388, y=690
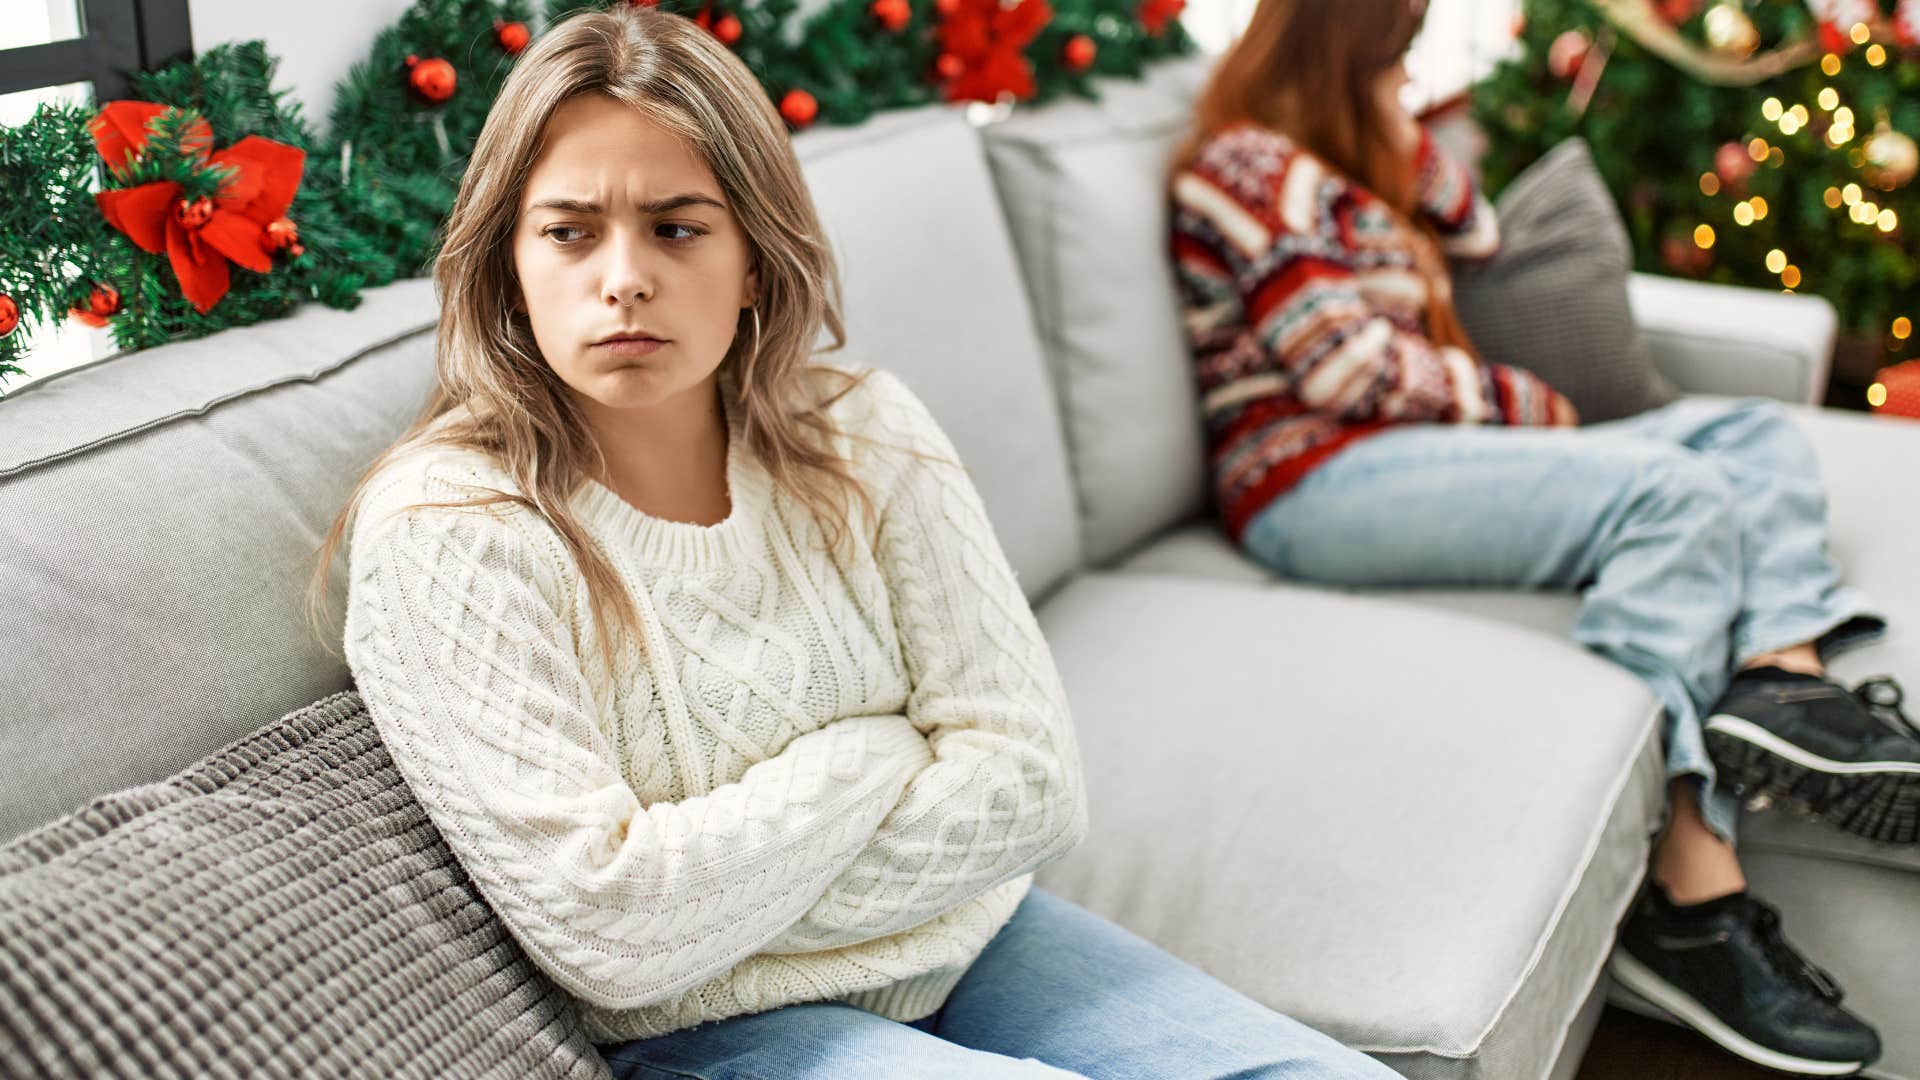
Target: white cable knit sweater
x=818, y=778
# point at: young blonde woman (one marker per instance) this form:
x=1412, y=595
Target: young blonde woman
x=1357, y=439
x=703, y=657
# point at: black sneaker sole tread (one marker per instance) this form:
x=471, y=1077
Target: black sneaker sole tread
x=1878, y=806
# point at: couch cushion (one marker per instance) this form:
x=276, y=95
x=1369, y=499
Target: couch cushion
x=1427, y=875
x=933, y=293
x=160, y=514
x=1083, y=185
x=284, y=907
x=1554, y=299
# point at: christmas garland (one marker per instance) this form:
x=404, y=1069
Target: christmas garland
x=210, y=202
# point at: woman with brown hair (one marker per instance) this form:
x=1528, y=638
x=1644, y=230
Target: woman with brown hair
x=703, y=657
x=1357, y=439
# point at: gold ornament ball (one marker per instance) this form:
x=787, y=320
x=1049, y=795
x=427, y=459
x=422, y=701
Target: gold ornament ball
x=1891, y=159
x=1730, y=32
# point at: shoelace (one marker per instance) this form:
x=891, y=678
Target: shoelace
x=1882, y=696
x=1786, y=959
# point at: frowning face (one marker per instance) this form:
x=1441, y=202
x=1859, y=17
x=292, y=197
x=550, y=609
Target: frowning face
x=632, y=268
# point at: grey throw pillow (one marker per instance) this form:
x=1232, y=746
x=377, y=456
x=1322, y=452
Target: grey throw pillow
x=1553, y=300
x=282, y=908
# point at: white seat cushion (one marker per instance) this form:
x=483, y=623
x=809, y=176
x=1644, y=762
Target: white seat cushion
x=1357, y=811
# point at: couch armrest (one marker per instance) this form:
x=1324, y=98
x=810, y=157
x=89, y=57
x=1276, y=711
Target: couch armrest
x=1726, y=339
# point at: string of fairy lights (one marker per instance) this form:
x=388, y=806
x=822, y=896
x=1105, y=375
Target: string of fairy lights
x=1856, y=201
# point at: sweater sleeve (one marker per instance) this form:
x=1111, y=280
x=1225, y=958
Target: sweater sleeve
x=456, y=638
x=1310, y=325
x=1004, y=793
x=1448, y=198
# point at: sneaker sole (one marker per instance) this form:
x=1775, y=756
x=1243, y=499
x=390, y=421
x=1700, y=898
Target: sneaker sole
x=1662, y=994
x=1879, y=800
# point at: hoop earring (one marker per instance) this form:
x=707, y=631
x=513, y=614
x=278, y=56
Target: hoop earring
x=755, y=312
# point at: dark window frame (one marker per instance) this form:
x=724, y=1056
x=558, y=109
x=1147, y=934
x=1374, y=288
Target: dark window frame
x=117, y=37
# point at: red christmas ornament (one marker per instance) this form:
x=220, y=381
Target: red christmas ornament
x=1733, y=165
x=1684, y=257
x=9, y=314
x=986, y=39
x=728, y=30
x=1901, y=385
x=946, y=8
x=432, y=79
x=102, y=301
x=284, y=235
x=893, y=14
x=1567, y=53
x=644, y=3
x=1676, y=12
x=264, y=176
x=192, y=215
x=512, y=36
x=1156, y=14
x=799, y=108
x=1834, y=40
x=1079, y=52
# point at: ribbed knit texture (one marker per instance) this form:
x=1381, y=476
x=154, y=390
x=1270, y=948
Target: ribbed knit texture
x=811, y=778
x=1306, y=316
x=283, y=908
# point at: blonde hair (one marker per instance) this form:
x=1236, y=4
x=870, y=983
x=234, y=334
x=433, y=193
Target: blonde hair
x=518, y=411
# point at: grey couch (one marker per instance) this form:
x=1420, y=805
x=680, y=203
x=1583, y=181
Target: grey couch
x=1410, y=819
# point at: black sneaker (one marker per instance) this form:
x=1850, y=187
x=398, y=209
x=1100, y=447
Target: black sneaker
x=1850, y=757
x=1723, y=969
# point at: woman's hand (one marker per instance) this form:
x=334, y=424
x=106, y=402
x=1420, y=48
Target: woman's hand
x=1563, y=412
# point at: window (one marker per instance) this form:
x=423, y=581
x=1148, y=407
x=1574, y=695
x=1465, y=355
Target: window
x=77, y=51
x=1460, y=43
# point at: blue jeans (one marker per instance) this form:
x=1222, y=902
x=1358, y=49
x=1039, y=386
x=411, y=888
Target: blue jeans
x=1697, y=531
x=1058, y=992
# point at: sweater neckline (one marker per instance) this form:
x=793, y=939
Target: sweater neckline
x=687, y=545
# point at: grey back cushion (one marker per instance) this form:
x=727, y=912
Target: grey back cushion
x=933, y=294
x=160, y=513
x=1083, y=185
x=1553, y=300
x=283, y=908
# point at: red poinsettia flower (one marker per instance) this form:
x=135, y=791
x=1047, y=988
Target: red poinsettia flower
x=199, y=239
x=985, y=38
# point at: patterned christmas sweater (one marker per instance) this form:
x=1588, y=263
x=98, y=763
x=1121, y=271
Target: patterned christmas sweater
x=1305, y=313
x=814, y=776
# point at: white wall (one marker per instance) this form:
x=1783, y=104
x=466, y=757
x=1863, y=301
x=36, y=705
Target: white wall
x=316, y=43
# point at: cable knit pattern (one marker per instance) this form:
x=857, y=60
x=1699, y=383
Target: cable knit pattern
x=813, y=777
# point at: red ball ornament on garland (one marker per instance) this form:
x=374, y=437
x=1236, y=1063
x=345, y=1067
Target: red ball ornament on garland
x=946, y=8
x=1676, y=12
x=728, y=30
x=1682, y=256
x=949, y=66
x=1567, y=53
x=9, y=314
x=434, y=79
x=193, y=214
x=1156, y=14
x=102, y=302
x=1896, y=390
x=512, y=36
x=284, y=235
x=799, y=108
x=1079, y=52
x=892, y=14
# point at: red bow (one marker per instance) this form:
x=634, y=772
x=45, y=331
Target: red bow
x=198, y=238
x=986, y=37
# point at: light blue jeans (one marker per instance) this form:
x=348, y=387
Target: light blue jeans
x=1058, y=992
x=1697, y=531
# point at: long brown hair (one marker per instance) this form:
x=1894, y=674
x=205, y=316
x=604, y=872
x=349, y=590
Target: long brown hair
x=517, y=410
x=1307, y=69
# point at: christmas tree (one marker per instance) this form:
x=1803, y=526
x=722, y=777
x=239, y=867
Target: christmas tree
x=1765, y=143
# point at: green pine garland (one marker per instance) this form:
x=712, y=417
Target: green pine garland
x=1655, y=132
x=376, y=190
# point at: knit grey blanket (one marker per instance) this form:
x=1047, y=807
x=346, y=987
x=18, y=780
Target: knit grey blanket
x=282, y=908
